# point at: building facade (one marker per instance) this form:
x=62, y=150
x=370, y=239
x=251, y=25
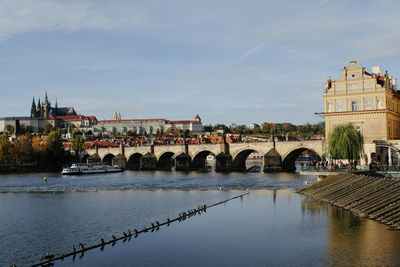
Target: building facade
x=146, y=126
x=369, y=101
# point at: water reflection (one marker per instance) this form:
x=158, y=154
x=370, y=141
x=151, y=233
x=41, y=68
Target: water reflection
x=355, y=241
x=273, y=226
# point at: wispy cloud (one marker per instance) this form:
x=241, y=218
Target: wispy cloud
x=24, y=16
x=249, y=53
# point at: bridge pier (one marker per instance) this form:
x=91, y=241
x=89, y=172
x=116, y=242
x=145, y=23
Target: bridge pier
x=223, y=163
x=148, y=162
x=272, y=161
x=183, y=162
x=119, y=160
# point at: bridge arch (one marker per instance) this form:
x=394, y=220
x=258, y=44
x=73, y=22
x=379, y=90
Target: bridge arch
x=165, y=161
x=199, y=159
x=108, y=158
x=288, y=161
x=239, y=160
x=133, y=162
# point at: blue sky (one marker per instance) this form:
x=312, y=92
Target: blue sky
x=229, y=61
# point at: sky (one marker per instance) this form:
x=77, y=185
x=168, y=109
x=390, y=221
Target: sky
x=230, y=61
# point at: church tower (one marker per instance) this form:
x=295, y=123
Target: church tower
x=33, y=109
x=39, y=110
x=46, y=107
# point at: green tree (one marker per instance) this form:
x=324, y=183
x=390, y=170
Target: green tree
x=10, y=129
x=345, y=142
x=54, y=148
x=186, y=133
x=29, y=129
x=77, y=143
x=48, y=128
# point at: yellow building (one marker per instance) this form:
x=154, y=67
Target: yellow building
x=369, y=101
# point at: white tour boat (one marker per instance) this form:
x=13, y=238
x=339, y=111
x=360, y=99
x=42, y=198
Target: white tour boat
x=81, y=168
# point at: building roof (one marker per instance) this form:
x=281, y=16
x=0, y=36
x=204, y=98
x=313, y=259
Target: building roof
x=71, y=118
x=111, y=121
x=183, y=122
x=92, y=118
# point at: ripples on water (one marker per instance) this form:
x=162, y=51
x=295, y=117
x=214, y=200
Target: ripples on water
x=269, y=227
x=129, y=180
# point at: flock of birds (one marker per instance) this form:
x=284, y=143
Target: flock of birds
x=48, y=259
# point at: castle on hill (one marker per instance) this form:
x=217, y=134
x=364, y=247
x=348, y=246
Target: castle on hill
x=46, y=111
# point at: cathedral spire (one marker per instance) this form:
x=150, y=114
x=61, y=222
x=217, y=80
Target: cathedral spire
x=46, y=99
x=33, y=109
x=39, y=109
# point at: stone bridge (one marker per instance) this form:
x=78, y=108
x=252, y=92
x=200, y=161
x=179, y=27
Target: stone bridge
x=279, y=156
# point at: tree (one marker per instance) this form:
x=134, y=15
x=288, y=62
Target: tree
x=186, y=133
x=77, y=143
x=22, y=149
x=221, y=127
x=345, y=142
x=5, y=149
x=38, y=145
x=54, y=148
x=29, y=129
x=48, y=128
x=10, y=129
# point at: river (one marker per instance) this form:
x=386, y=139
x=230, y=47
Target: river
x=271, y=226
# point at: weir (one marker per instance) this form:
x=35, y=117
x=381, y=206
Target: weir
x=126, y=236
x=371, y=197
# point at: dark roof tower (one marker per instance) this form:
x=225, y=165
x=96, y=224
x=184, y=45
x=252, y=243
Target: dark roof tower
x=33, y=109
x=46, y=99
x=39, y=106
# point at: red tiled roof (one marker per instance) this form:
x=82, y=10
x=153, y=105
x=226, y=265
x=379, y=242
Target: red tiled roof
x=109, y=121
x=92, y=118
x=70, y=118
x=176, y=122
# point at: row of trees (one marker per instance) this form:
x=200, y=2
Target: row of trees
x=30, y=149
x=268, y=128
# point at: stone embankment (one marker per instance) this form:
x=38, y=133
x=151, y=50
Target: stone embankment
x=371, y=197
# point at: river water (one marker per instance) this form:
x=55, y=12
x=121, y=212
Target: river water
x=271, y=226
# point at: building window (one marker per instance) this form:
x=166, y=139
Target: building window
x=358, y=128
x=354, y=106
x=340, y=105
x=330, y=107
x=368, y=103
x=379, y=102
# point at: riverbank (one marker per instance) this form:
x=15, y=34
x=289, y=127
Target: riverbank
x=372, y=197
x=28, y=169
